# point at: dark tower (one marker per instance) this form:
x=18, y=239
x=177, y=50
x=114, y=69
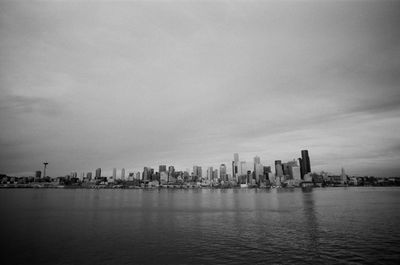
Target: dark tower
x=305, y=166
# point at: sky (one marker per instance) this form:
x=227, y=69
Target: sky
x=129, y=84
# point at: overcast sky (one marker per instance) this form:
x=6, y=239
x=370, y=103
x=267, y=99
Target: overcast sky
x=130, y=84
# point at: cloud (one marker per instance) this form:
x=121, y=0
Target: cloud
x=130, y=84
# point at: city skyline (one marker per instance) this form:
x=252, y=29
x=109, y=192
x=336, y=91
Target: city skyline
x=132, y=84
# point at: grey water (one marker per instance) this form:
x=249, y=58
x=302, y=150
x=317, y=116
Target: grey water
x=359, y=225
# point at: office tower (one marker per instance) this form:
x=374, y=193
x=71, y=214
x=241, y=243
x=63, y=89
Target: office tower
x=98, y=173
x=258, y=168
x=258, y=171
x=114, y=175
x=278, y=168
x=305, y=166
x=171, y=170
x=123, y=173
x=235, y=166
x=209, y=173
x=89, y=175
x=162, y=168
x=197, y=173
x=146, y=173
x=38, y=174
x=222, y=172
x=295, y=172
x=215, y=174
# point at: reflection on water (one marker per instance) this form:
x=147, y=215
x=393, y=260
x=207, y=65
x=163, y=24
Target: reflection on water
x=232, y=226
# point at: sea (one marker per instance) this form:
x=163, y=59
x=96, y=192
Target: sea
x=342, y=225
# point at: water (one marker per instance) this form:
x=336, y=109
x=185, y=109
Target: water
x=332, y=225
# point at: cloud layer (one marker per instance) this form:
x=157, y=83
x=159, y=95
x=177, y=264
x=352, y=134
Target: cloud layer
x=132, y=84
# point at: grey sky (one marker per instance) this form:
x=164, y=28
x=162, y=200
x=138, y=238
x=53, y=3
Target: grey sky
x=131, y=84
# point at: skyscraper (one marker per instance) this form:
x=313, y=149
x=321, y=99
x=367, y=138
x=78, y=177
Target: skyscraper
x=278, y=168
x=123, y=173
x=197, y=173
x=114, y=175
x=305, y=165
x=98, y=173
x=162, y=168
x=235, y=166
x=210, y=173
x=222, y=172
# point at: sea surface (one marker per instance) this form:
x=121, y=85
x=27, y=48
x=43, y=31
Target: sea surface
x=358, y=225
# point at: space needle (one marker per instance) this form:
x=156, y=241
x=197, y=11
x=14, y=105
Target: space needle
x=44, y=170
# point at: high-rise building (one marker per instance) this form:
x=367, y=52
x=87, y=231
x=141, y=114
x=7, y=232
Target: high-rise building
x=123, y=173
x=258, y=168
x=243, y=168
x=210, y=173
x=38, y=174
x=162, y=168
x=89, y=175
x=114, y=175
x=98, y=173
x=146, y=173
x=197, y=173
x=305, y=165
x=278, y=168
x=222, y=172
x=235, y=166
x=215, y=174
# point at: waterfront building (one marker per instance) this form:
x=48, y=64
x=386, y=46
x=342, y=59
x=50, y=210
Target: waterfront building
x=98, y=173
x=38, y=174
x=89, y=175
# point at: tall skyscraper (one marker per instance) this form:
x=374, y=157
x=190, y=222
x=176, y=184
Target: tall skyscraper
x=258, y=168
x=114, y=175
x=210, y=173
x=235, y=166
x=278, y=168
x=123, y=173
x=305, y=165
x=222, y=172
x=98, y=173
